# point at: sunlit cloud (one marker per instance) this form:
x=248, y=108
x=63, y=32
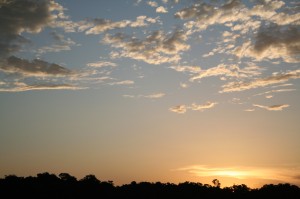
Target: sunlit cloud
x=178, y=109
x=101, y=64
x=228, y=71
x=193, y=106
x=20, y=87
x=161, y=9
x=125, y=82
x=152, y=3
x=156, y=48
x=262, y=82
x=279, y=107
x=99, y=25
x=283, y=174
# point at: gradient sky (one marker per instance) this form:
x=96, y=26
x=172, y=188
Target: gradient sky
x=168, y=90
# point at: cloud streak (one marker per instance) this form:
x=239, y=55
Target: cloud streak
x=261, y=82
x=195, y=107
x=273, y=107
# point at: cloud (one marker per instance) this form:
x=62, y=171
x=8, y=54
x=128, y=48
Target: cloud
x=203, y=14
x=24, y=16
x=37, y=68
x=152, y=3
x=150, y=96
x=273, y=107
x=201, y=107
x=275, y=91
x=195, y=107
x=273, y=42
x=228, y=71
x=156, y=48
x=283, y=174
x=61, y=44
x=262, y=82
x=101, y=64
x=161, y=9
x=21, y=87
x=99, y=25
x=178, y=109
x=190, y=69
x=125, y=82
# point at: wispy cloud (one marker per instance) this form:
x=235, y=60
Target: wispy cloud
x=20, y=87
x=125, y=82
x=99, y=25
x=150, y=96
x=101, y=64
x=156, y=48
x=178, y=109
x=262, y=82
x=273, y=107
x=194, y=107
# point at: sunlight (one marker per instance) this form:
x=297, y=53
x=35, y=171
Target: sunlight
x=229, y=173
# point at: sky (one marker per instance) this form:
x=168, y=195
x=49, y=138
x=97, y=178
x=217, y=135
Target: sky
x=137, y=90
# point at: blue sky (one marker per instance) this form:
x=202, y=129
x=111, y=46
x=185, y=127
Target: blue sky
x=164, y=90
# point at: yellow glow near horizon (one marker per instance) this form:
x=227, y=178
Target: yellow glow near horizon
x=244, y=174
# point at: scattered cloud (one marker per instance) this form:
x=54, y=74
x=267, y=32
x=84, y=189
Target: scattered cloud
x=60, y=44
x=194, y=107
x=152, y=3
x=26, y=16
x=261, y=82
x=201, y=107
x=273, y=107
x=178, y=109
x=150, y=96
x=125, y=82
x=20, y=87
x=156, y=48
x=228, y=71
x=99, y=25
x=37, y=67
x=161, y=9
x=101, y=64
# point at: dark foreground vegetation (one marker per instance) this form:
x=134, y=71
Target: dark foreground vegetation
x=46, y=185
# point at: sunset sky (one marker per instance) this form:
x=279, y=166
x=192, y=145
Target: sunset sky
x=136, y=90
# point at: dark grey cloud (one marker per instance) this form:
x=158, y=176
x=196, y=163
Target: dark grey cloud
x=33, y=68
x=17, y=16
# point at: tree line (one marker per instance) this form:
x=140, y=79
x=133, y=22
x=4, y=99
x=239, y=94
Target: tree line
x=63, y=186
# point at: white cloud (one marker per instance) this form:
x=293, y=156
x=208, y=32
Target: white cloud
x=125, y=82
x=101, y=64
x=98, y=25
x=273, y=107
x=262, y=82
x=21, y=87
x=150, y=96
x=201, y=107
x=228, y=71
x=161, y=9
x=152, y=3
x=178, y=109
x=195, y=107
